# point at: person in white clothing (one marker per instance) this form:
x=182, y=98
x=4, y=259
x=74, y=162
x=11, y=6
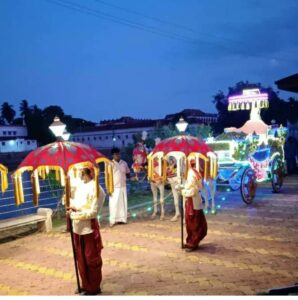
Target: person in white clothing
x=87, y=239
x=196, y=224
x=118, y=200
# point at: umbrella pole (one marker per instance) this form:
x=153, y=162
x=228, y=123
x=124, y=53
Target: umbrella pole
x=182, y=228
x=75, y=258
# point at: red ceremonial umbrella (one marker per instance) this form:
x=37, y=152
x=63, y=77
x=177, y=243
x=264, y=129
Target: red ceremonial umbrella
x=60, y=156
x=182, y=143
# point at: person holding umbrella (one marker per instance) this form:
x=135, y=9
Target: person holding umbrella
x=87, y=239
x=196, y=224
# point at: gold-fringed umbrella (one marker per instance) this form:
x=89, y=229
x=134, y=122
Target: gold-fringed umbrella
x=183, y=148
x=61, y=157
x=4, y=179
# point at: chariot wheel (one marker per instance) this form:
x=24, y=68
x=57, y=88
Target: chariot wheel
x=277, y=174
x=248, y=185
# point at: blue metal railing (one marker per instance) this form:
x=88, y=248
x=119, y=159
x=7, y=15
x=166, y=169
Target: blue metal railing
x=49, y=197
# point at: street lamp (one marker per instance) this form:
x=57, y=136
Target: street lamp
x=181, y=125
x=59, y=130
x=57, y=127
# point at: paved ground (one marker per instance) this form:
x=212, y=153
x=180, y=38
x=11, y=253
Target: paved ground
x=248, y=249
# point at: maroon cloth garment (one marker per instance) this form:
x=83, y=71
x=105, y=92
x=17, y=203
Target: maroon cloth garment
x=88, y=250
x=196, y=224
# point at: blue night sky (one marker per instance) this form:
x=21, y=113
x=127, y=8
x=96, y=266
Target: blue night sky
x=86, y=60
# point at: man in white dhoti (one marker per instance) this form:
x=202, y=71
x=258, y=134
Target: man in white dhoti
x=118, y=200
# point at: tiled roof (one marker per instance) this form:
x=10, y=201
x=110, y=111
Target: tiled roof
x=192, y=116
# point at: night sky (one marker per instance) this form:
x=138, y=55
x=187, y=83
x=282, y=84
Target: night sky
x=142, y=58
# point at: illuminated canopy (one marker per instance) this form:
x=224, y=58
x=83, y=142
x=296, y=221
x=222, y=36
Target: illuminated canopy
x=249, y=99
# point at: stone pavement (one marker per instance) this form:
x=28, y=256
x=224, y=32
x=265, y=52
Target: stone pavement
x=248, y=249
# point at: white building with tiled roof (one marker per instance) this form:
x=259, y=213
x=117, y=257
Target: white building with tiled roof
x=120, y=133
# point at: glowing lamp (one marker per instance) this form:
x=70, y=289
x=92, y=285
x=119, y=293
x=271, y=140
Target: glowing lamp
x=181, y=125
x=57, y=127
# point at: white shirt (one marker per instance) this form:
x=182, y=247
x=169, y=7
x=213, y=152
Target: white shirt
x=85, y=200
x=120, y=169
x=192, y=186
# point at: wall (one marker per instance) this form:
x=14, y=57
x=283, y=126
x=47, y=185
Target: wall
x=104, y=139
x=13, y=131
x=17, y=145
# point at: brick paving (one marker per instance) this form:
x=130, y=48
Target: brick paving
x=248, y=249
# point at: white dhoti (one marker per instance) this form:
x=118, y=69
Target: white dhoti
x=118, y=205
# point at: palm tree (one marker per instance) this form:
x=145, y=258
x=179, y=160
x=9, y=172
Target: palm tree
x=24, y=108
x=7, y=112
x=36, y=110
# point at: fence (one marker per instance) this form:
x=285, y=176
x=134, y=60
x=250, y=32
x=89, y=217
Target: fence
x=50, y=197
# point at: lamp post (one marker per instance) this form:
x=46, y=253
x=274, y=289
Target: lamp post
x=181, y=125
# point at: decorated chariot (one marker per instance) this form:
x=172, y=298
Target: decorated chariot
x=250, y=154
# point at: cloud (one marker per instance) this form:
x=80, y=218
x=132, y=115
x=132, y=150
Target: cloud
x=248, y=29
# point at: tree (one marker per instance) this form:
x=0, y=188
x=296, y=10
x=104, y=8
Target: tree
x=52, y=111
x=293, y=110
x=278, y=110
x=7, y=112
x=34, y=123
x=24, y=108
x=202, y=131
